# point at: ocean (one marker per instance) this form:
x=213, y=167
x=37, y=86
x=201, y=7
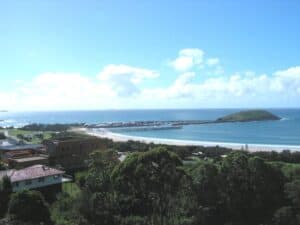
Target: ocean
x=282, y=132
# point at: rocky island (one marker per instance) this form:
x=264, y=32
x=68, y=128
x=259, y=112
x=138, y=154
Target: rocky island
x=248, y=115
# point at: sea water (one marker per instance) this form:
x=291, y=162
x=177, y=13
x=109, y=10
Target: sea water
x=282, y=132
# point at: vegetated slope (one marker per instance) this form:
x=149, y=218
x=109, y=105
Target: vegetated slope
x=249, y=115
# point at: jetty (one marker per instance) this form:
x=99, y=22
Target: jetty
x=243, y=116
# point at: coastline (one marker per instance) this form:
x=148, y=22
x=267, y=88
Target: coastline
x=103, y=133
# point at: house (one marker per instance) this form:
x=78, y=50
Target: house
x=37, y=177
x=21, y=162
x=37, y=148
x=24, y=158
x=72, y=152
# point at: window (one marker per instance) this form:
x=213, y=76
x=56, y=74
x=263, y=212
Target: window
x=41, y=179
x=56, y=177
x=28, y=182
x=17, y=184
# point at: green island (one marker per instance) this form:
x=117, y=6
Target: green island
x=248, y=115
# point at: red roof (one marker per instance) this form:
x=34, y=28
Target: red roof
x=33, y=172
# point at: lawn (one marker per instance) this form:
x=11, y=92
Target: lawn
x=34, y=135
x=71, y=188
x=290, y=170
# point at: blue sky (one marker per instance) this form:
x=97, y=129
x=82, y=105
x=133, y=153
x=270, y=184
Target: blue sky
x=119, y=54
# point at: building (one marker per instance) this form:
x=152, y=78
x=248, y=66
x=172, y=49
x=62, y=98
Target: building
x=21, y=162
x=37, y=148
x=37, y=177
x=24, y=158
x=72, y=152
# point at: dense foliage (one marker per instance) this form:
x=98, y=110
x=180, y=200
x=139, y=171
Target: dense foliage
x=155, y=187
x=164, y=185
x=248, y=115
x=5, y=191
x=29, y=206
x=50, y=127
x=2, y=136
x=2, y=166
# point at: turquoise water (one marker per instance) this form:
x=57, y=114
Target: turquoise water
x=283, y=132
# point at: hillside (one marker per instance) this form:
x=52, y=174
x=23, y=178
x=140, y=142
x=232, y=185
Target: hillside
x=249, y=115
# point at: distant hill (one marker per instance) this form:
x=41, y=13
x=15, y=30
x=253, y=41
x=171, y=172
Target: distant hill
x=249, y=115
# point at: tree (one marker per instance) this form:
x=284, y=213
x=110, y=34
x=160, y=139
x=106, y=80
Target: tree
x=292, y=191
x=267, y=190
x=251, y=189
x=285, y=216
x=235, y=193
x=65, y=211
x=2, y=136
x=96, y=202
x=2, y=166
x=148, y=183
x=29, y=206
x=205, y=184
x=101, y=165
x=5, y=191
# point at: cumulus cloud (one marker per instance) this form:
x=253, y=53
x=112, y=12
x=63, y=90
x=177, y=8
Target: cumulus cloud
x=123, y=86
x=187, y=59
x=76, y=91
x=288, y=80
x=238, y=90
x=181, y=88
x=212, y=61
x=57, y=91
x=124, y=79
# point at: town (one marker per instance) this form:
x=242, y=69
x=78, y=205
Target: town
x=46, y=164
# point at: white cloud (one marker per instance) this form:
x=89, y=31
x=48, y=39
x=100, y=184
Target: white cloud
x=181, y=86
x=188, y=58
x=124, y=79
x=212, y=61
x=238, y=90
x=57, y=91
x=123, y=86
x=114, y=85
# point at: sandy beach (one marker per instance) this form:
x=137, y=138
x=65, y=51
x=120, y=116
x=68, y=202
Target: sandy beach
x=103, y=133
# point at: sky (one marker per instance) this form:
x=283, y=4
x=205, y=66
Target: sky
x=133, y=54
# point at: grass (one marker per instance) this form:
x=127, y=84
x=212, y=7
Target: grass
x=290, y=170
x=71, y=189
x=35, y=140
x=80, y=174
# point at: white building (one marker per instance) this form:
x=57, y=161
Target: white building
x=34, y=177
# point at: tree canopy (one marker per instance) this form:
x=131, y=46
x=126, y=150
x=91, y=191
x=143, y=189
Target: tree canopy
x=29, y=206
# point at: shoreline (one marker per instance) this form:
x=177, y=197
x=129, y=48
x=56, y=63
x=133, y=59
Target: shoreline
x=103, y=133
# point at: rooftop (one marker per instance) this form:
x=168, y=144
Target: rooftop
x=29, y=173
x=71, y=139
x=18, y=153
x=29, y=159
x=20, y=147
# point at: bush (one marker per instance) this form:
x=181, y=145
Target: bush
x=2, y=136
x=29, y=206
